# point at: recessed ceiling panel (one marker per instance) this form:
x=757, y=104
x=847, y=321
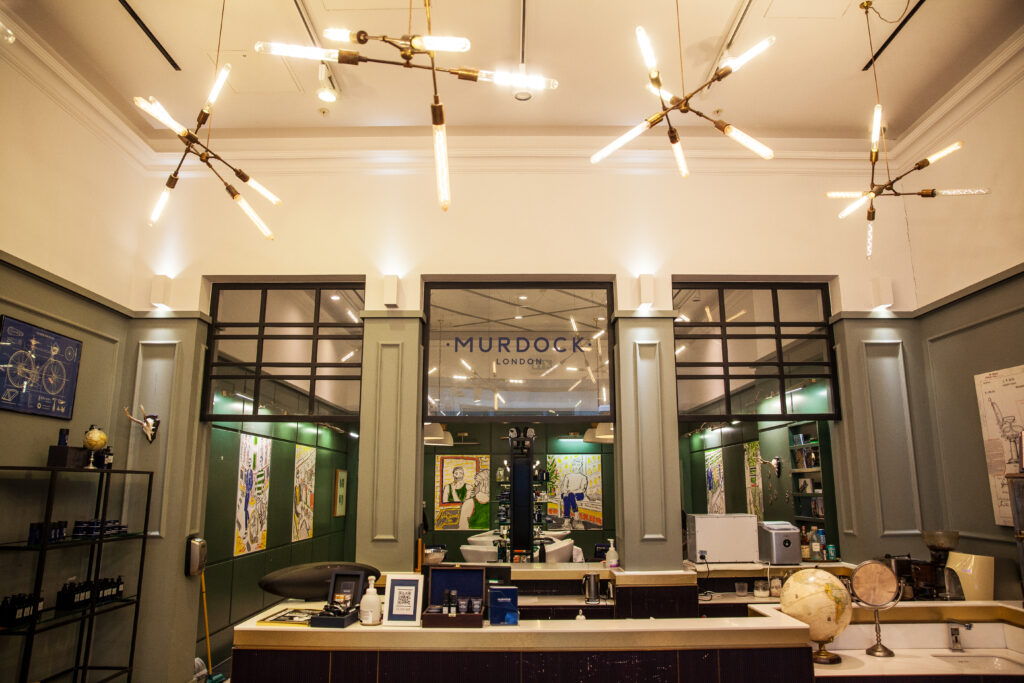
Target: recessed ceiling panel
x=801, y=9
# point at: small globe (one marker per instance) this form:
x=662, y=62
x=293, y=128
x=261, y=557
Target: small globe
x=95, y=438
x=818, y=599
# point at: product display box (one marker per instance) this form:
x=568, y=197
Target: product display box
x=455, y=596
x=503, y=605
x=68, y=456
x=342, y=608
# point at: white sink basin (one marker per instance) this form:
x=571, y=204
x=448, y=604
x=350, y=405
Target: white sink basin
x=490, y=537
x=965, y=662
x=559, y=551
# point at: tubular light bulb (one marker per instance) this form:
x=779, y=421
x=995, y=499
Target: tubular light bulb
x=870, y=239
x=440, y=43
x=646, y=49
x=6, y=35
x=218, y=84
x=945, y=152
x=856, y=205
x=444, y=190
x=267, y=194
x=156, y=110
x=253, y=216
x=340, y=35
x=677, y=152
x=962, y=192
x=352, y=316
x=347, y=356
x=683, y=318
x=876, y=127
x=736, y=63
x=760, y=149
x=160, y=204
x=663, y=94
x=632, y=133
x=326, y=94
x=518, y=80
x=572, y=321
x=317, y=54
x=464, y=363
x=843, y=194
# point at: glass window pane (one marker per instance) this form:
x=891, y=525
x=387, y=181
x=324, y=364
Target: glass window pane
x=239, y=306
x=806, y=369
x=289, y=306
x=233, y=368
x=232, y=330
x=339, y=351
x=337, y=397
x=322, y=371
x=808, y=396
x=752, y=329
x=284, y=397
x=801, y=329
x=696, y=305
x=694, y=331
x=755, y=396
x=230, y=397
x=748, y=305
x=698, y=351
x=239, y=350
x=752, y=350
x=701, y=396
x=287, y=350
x=700, y=370
x=800, y=305
x=335, y=305
x=802, y=350
x=527, y=351
x=760, y=370
x=288, y=371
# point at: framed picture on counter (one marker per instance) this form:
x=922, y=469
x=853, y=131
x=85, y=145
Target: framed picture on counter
x=403, y=600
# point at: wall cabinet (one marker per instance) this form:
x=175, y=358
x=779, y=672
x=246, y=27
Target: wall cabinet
x=813, y=486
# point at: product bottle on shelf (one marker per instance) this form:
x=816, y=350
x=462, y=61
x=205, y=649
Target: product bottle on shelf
x=822, y=543
x=612, y=556
x=805, y=545
x=369, y=607
x=815, y=544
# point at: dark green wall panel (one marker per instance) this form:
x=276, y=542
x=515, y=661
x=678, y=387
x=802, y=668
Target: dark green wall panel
x=218, y=596
x=282, y=477
x=246, y=596
x=222, y=492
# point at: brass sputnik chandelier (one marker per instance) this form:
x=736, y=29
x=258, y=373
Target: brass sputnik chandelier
x=409, y=47
x=670, y=102
x=887, y=186
x=193, y=145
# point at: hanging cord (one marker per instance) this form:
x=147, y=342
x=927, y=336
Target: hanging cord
x=893, y=21
x=878, y=96
x=216, y=66
x=410, y=18
x=679, y=44
x=522, y=36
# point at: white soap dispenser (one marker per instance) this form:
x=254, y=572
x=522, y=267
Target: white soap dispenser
x=369, y=607
x=612, y=556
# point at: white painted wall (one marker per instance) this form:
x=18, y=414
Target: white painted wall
x=75, y=204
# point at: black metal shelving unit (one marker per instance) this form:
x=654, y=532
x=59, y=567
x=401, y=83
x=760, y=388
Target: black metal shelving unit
x=85, y=617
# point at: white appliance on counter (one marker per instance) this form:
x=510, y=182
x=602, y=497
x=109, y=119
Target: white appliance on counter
x=721, y=538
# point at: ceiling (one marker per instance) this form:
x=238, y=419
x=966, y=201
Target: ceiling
x=810, y=84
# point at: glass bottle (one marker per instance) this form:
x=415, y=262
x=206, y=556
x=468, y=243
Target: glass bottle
x=805, y=545
x=815, y=544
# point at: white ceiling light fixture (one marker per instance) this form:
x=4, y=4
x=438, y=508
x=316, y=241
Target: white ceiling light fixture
x=326, y=92
x=645, y=284
x=670, y=102
x=433, y=432
x=887, y=187
x=6, y=35
x=409, y=47
x=160, y=292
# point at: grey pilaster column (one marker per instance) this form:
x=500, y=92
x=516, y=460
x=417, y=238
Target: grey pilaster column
x=647, y=444
x=390, y=440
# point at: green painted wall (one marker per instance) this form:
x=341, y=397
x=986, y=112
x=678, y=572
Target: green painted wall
x=232, y=593
x=493, y=441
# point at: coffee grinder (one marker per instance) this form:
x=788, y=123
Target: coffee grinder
x=931, y=580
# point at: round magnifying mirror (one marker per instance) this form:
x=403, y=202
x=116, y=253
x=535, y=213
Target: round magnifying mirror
x=875, y=584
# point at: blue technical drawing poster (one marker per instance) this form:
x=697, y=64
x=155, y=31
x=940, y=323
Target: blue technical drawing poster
x=40, y=369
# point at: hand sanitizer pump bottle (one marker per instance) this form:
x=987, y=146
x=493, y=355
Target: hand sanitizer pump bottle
x=369, y=606
x=612, y=556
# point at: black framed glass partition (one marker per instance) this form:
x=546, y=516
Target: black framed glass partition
x=754, y=351
x=541, y=350
x=284, y=352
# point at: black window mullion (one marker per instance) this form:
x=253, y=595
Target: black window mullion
x=778, y=350
x=725, y=348
x=316, y=347
x=260, y=328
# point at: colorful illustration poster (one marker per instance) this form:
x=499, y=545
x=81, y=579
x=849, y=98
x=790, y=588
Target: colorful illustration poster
x=1001, y=406
x=302, y=496
x=755, y=499
x=574, y=491
x=715, y=470
x=462, y=492
x=253, y=494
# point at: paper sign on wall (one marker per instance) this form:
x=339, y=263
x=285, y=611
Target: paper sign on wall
x=1001, y=406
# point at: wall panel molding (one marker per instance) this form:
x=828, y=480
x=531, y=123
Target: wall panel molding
x=649, y=416
x=846, y=495
x=387, y=439
x=891, y=435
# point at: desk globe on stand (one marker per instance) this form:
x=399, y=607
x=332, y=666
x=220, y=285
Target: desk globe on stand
x=820, y=600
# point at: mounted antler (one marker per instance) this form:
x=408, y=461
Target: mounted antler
x=149, y=423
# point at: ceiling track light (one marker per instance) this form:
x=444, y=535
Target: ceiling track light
x=887, y=187
x=409, y=48
x=670, y=102
x=206, y=155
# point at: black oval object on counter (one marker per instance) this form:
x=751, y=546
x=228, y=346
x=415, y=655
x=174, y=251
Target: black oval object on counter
x=309, y=581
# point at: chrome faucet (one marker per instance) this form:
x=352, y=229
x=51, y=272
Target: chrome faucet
x=954, y=634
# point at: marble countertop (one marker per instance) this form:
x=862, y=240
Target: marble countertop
x=923, y=662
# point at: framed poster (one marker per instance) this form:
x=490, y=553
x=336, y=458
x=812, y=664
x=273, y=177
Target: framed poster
x=1001, y=407
x=302, y=498
x=403, y=600
x=40, y=369
x=462, y=492
x=253, y=494
x=340, y=490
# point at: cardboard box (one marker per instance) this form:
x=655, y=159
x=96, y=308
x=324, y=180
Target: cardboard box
x=503, y=605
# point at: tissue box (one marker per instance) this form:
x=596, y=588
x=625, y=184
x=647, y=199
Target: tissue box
x=503, y=605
